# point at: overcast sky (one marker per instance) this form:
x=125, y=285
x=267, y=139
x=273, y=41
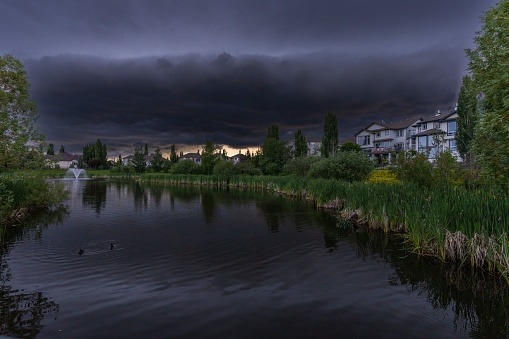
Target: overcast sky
x=160, y=72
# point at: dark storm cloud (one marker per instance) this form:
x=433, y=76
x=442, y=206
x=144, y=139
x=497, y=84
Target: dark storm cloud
x=132, y=72
x=132, y=28
x=232, y=99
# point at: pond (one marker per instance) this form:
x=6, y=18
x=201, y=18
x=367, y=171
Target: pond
x=128, y=260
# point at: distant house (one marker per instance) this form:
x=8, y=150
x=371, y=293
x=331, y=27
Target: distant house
x=62, y=160
x=238, y=158
x=313, y=146
x=196, y=157
x=129, y=160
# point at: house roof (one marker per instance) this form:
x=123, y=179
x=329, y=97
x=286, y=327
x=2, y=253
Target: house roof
x=399, y=124
x=429, y=132
x=435, y=117
x=62, y=157
x=191, y=156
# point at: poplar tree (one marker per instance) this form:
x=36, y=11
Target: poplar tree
x=330, y=136
x=301, y=148
x=173, y=155
x=467, y=116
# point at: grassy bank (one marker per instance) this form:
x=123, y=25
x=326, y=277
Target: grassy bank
x=24, y=191
x=450, y=222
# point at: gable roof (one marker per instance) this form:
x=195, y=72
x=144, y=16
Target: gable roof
x=191, y=156
x=431, y=131
x=62, y=157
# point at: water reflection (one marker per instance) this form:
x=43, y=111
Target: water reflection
x=22, y=312
x=94, y=194
x=237, y=266
x=479, y=300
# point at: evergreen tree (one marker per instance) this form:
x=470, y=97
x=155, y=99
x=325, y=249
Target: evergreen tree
x=173, y=155
x=51, y=150
x=146, y=150
x=330, y=136
x=489, y=68
x=19, y=134
x=301, y=148
x=157, y=161
x=139, y=160
x=208, y=157
x=62, y=149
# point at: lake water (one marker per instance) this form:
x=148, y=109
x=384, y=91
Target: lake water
x=201, y=263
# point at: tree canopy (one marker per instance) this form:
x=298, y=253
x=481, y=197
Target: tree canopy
x=489, y=68
x=19, y=134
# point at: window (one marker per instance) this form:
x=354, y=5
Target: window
x=400, y=132
x=451, y=128
x=452, y=145
x=363, y=140
x=377, y=134
x=424, y=127
x=387, y=132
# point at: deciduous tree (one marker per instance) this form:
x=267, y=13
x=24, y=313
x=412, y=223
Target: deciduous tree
x=489, y=68
x=19, y=134
x=301, y=147
x=173, y=155
x=330, y=136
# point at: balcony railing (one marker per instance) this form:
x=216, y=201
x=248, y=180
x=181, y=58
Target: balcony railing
x=380, y=150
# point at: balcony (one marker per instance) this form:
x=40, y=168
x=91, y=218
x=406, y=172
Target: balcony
x=386, y=150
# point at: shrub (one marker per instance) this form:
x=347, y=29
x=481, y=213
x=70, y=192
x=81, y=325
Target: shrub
x=299, y=166
x=186, y=167
x=247, y=168
x=224, y=170
x=349, y=166
x=415, y=168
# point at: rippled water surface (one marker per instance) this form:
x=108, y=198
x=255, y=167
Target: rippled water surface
x=197, y=263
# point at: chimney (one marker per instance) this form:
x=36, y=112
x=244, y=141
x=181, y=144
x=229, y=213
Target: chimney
x=438, y=113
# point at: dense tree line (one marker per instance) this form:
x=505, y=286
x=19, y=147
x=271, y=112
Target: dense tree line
x=95, y=155
x=483, y=107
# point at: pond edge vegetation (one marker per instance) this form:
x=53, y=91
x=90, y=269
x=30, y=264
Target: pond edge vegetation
x=451, y=222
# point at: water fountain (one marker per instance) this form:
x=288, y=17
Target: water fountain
x=76, y=172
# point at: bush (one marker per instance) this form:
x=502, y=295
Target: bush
x=224, y=170
x=414, y=167
x=349, y=166
x=247, y=168
x=186, y=167
x=299, y=166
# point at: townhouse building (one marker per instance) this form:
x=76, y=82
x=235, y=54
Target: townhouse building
x=430, y=134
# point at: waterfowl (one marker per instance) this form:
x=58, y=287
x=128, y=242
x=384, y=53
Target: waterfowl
x=111, y=246
x=80, y=252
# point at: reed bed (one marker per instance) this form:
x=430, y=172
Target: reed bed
x=23, y=191
x=450, y=222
